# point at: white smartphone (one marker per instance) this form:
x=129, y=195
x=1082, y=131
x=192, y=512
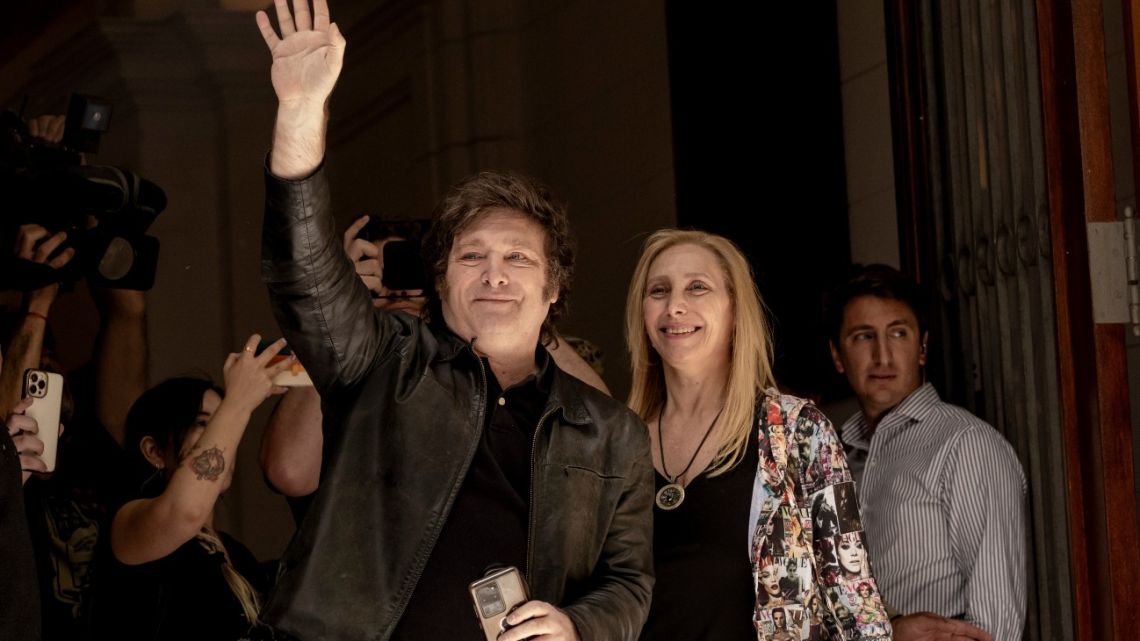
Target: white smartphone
x=46, y=391
x=495, y=596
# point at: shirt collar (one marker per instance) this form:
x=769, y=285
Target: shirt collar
x=915, y=407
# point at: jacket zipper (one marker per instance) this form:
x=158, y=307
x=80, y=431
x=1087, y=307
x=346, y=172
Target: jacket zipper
x=530, y=525
x=470, y=455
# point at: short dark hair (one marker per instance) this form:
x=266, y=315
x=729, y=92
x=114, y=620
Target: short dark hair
x=471, y=197
x=880, y=281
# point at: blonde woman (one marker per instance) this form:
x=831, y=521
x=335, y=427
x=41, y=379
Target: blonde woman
x=741, y=468
x=167, y=574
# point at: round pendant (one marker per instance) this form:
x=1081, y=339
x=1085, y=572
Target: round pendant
x=670, y=496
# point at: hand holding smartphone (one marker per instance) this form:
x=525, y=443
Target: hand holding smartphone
x=295, y=376
x=46, y=391
x=495, y=596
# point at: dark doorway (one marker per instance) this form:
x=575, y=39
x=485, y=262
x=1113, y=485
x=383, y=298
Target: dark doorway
x=758, y=146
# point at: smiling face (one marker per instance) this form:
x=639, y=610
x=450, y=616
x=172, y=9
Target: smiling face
x=880, y=352
x=687, y=308
x=495, y=286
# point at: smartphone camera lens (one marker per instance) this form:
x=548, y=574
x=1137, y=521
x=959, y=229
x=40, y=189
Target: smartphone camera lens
x=490, y=601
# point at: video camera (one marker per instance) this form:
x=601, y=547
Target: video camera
x=105, y=210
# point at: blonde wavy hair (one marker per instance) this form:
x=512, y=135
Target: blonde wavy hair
x=751, y=369
x=244, y=592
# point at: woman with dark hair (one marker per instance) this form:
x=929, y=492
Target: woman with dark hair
x=166, y=573
x=853, y=556
x=748, y=478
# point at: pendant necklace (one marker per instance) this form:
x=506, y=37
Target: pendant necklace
x=671, y=496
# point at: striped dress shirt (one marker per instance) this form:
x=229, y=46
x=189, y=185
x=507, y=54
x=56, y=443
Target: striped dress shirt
x=943, y=501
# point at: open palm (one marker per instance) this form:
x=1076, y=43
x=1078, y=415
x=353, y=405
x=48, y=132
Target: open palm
x=308, y=55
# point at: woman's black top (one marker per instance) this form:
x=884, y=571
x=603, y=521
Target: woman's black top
x=182, y=596
x=704, y=579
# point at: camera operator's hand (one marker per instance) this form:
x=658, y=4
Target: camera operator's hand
x=365, y=256
x=307, y=59
x=540, y=620
x=38, y=245
x=48, y=128
x=24, y=432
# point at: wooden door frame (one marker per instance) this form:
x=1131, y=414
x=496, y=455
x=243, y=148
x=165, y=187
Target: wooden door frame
x=1094, y=395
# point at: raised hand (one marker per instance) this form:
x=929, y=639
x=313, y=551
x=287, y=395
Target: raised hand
x=365, y=256
x=38, y=245
x=307, y=58
x=48, y=127
x=249, y=376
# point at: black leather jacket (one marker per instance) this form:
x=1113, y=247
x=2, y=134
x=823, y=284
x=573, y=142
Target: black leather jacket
x=404, y=406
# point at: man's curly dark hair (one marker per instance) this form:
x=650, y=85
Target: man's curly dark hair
x=469, y=199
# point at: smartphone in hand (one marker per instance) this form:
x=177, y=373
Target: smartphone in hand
x=495, y=596
x=295, y=376
x=46, y=391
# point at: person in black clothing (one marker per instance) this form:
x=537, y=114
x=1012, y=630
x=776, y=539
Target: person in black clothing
x=165, y=573
x=737, y=461
x=292, y=443
x=20, y=605
x=453, y=445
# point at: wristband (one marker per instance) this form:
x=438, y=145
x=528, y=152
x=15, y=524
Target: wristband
x=37, y=315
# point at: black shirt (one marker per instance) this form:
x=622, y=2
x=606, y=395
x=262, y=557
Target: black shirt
x=19, y=594
x=181, y=597
x=488, y=524
x=704, y=588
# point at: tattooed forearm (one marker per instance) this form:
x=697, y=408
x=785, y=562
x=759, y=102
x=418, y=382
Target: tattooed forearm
x=209, y=465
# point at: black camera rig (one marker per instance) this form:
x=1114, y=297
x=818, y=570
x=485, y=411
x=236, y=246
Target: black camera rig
x=105, y=210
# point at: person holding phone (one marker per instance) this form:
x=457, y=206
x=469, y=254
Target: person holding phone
x=19, y=458
x=450, y=446
x=291, y=445
x=165, y=573
x=729, y=450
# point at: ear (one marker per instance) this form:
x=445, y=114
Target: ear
x=922, y=349
x=151, y=452
x=835, y=359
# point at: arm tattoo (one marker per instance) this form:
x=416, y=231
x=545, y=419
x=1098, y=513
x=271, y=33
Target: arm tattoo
x=209, y=465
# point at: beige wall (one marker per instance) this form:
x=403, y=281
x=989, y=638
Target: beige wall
x=575, y=92
x=867, y=132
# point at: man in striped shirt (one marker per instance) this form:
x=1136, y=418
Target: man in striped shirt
x=942, y=493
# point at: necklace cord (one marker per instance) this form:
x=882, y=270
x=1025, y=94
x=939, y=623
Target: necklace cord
x=661, y=445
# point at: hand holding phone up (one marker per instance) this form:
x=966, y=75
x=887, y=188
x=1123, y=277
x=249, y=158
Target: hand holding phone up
x=26, y=438
x=39, y=420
